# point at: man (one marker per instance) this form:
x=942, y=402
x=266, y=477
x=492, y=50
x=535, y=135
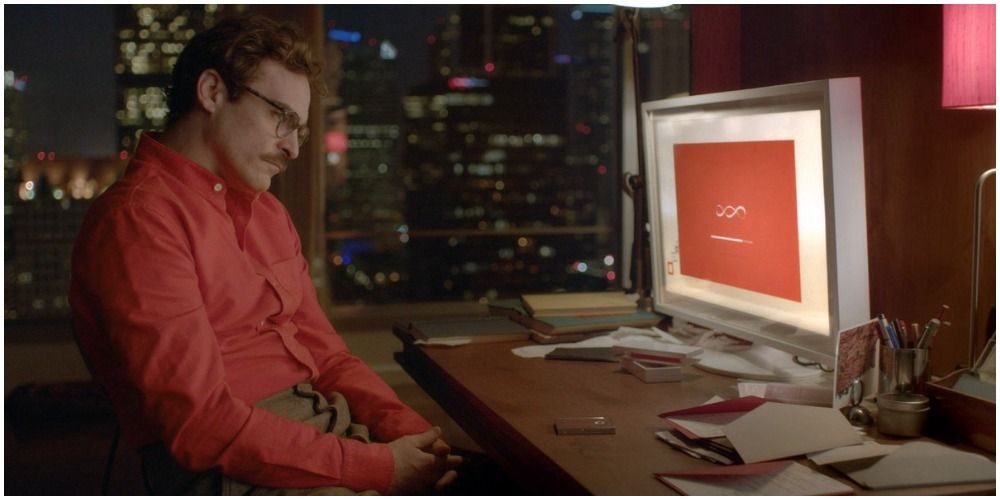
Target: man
x=193, y=304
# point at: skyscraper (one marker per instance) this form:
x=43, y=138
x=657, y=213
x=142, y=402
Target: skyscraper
x=14, y=156
x=496, y=203
x=365, y=197
x=149, y=40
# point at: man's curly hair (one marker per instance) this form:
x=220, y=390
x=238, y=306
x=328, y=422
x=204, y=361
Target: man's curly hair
x=235, y=47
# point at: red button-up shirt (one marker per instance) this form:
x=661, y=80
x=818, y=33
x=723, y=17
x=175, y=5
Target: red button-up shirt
x=191, y=302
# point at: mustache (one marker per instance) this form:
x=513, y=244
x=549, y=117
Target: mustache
x=279, y=160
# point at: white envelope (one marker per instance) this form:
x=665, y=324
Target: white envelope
x=851, y=453
x=778, y=430
x=920, y=463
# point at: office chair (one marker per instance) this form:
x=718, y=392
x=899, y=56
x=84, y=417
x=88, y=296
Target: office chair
x=113, y=449
x=110, y=464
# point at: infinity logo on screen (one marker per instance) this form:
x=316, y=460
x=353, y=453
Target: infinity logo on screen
x=730, y=211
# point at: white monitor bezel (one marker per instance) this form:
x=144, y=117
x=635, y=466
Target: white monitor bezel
x=839, y=104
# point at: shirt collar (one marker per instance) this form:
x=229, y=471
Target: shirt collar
x=198, y=178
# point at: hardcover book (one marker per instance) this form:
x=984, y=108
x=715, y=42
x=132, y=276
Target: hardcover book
x=475, y=329
x=540, y=305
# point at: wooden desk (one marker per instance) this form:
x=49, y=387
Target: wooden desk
x=508, y=405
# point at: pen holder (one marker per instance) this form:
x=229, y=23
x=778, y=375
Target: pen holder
x=902, y=371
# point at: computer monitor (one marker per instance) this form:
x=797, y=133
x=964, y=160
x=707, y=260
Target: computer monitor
x=757, y=213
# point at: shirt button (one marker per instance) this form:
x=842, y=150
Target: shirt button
x=218, y=187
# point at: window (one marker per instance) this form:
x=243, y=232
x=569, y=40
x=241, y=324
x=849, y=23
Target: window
x=474, y=152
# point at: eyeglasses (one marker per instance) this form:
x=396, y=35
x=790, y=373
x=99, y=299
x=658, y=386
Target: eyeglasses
x=288, y=120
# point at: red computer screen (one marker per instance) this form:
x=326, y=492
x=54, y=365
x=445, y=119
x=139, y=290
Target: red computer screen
x=737, y=216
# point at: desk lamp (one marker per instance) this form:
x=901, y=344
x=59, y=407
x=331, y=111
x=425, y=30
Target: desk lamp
x=969, y=82
x=628, y=18
x=964, y=404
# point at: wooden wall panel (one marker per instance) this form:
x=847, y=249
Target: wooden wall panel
x=715, y=48
x=921, y=161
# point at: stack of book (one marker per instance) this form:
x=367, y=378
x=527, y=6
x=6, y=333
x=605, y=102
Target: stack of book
x=570, y=317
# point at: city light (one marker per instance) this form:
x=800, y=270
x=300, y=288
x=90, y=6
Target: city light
x=12, y=81
x=387, y=51
x=335, y=142
x=465, y=82
x=490, y=165
x=344, y=36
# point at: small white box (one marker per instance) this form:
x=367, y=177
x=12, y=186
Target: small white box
x=652, y=372
x=661, y=353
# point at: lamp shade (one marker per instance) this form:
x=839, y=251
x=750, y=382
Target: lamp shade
x=969, y=62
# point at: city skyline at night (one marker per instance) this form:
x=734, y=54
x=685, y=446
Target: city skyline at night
x=494, y=190
x=471, y=153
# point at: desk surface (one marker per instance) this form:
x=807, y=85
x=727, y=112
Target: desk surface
x=508, y=405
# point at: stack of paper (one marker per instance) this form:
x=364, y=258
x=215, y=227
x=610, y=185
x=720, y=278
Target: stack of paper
x=760, y=431
x=772, y=478
x=763, y=432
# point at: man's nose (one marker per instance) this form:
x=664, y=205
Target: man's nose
x=290, y=146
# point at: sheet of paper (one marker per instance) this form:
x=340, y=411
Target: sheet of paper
x=778, y=430
x=849, y=453
x=771, y=478
x=921, y=463
x=452, y=342
x=786, y=393
x=741, y=405
x=693, y=450
x=707, y=420
x=609, y=340
x=704, y=426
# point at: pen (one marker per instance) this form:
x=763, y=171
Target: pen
x=904, y=333
x=929, y=330
x=882, y=332
x=893, y=340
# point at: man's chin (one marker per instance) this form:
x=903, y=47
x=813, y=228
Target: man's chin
x=254, y=188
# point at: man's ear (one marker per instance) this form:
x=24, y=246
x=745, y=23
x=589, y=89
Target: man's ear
x=211, y=90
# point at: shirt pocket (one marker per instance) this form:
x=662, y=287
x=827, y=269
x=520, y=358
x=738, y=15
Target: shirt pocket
x=288, y=283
